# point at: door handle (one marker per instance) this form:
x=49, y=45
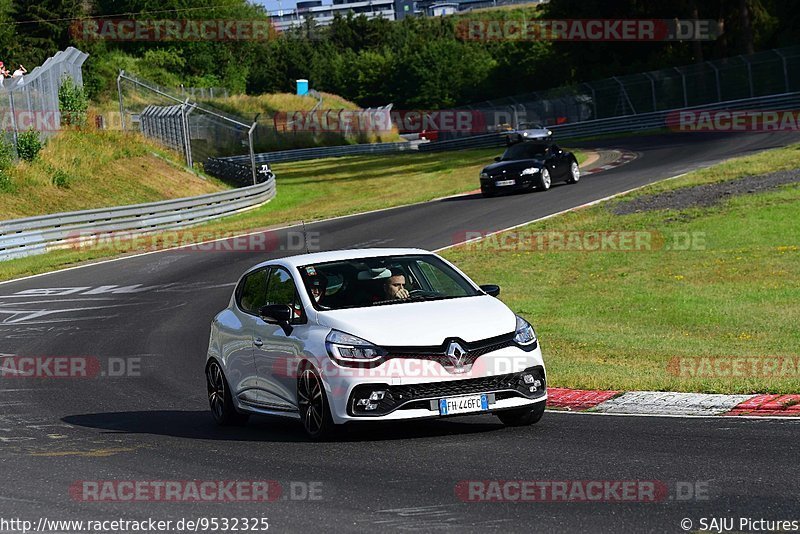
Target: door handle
x=257, y=342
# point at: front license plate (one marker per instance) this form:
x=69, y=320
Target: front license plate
x=472, y=403
x=501, y=183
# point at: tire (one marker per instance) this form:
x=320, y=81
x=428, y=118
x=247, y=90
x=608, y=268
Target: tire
x=544, y=181
x=486, y=193
x=574, y=173
x=523, y=416
x=219, y=398
x=315, y=413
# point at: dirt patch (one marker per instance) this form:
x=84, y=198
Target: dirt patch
x=707, y=194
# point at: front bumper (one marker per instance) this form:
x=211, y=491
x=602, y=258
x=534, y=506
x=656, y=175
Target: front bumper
x=520, y=183
x=499, y=375
x=426, y=396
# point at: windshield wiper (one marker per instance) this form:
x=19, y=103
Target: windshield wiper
x=415, y=298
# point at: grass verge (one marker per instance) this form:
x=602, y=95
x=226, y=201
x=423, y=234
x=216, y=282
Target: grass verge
x=313, y=190
x=664, y=318
x=78, y=170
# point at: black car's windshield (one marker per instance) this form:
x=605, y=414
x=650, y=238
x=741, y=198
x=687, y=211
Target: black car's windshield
x=525, y=151
x=381, y=281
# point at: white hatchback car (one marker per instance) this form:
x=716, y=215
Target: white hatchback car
x=370, y=334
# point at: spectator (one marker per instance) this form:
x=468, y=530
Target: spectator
x=19, y=72
x=4, y=71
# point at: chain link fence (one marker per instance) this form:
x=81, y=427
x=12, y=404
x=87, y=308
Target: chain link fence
x=31, y=101
x=202, y=134
x=736, y=78
x=204, y=93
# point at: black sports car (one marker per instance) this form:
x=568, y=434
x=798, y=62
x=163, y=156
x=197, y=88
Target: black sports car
x=528, y=165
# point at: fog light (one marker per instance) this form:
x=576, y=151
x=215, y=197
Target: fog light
x=532, y=389
x=362, y=402
x=371, y=406
x=537, y=383
x=529, y=379
x=377, y=395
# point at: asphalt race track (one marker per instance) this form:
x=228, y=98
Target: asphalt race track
x=55, y=432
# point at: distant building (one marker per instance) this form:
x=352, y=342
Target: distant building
x=389, y=9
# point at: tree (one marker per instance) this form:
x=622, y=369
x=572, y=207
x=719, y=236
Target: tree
x=42, y=28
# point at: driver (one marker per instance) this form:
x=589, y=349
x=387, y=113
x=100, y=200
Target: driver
x=395, y=286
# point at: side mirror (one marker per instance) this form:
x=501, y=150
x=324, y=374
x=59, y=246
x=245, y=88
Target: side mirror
x=279, y=314
x=491, y=289
x=498, y=158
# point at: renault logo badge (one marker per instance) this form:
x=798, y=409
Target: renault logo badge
x=456, y=353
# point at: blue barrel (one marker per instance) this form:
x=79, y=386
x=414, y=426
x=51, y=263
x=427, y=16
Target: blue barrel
x=302, y=87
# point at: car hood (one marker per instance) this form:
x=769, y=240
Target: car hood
x=512, y=165
x=424, y=323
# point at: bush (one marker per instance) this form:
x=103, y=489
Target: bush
x=29, y=145
x=6, y=160
x=61, y=179
x=6, y=153
x=72, y=103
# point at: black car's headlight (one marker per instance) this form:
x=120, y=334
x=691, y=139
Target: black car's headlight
x=529, y=170
x=348, y=349
x=524, y=335
x=484, y=176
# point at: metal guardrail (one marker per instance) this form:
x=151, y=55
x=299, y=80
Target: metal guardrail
x=37, y=235
x=494, y=139
x=302, y=154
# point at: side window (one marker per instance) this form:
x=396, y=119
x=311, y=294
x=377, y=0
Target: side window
x=283, y=291
x=253, y=292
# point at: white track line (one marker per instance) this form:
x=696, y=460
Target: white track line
x=562, y=212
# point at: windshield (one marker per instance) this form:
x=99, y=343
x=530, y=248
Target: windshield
x=525, y=151
x=381, y=281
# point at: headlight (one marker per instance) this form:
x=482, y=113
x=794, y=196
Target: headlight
x=345, y=348
x=484, y=175
x=529, y=170
x=524, y=335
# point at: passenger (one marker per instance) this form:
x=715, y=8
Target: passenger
x=317, y=286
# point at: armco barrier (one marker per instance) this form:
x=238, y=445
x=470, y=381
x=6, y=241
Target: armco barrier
x=302, y=154
x=37, y=235
x=474, y=141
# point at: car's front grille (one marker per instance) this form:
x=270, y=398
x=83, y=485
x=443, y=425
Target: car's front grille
x=407, y=396
x=438, y=354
